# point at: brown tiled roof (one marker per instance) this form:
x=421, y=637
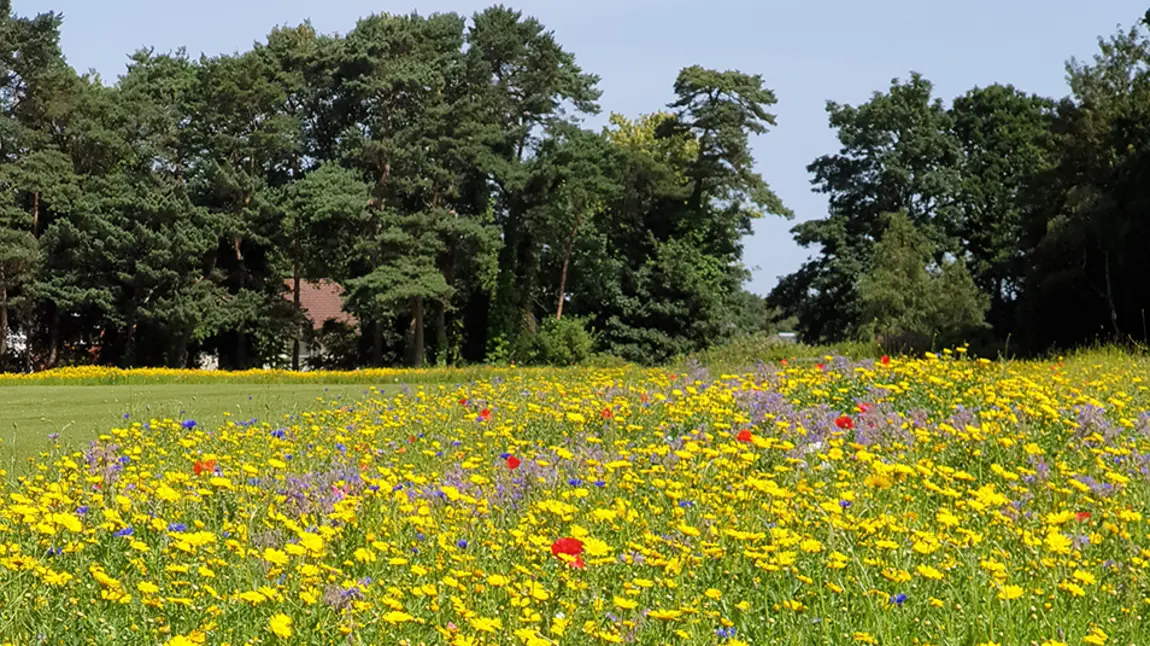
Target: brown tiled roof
x=321, y=301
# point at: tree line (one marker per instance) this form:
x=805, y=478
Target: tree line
x=1011, y=220
x=438, y=168
x=435, y=167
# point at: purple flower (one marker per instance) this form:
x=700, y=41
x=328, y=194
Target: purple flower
x=188, y=424
x=462, y=543
x=845, y=503
x=177, y=527
x=127, y=531
x=82, y=509
x=898, y=599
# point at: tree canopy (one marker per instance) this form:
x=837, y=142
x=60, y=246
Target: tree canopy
x=436, y=167
x=440, y=169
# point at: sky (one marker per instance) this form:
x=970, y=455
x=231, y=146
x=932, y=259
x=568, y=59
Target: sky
x=807, y=51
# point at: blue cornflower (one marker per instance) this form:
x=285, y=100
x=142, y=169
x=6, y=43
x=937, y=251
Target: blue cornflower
x=845, y=503
x=462, y=543
x=177, y=527
x=574, y=482
x=127, y=531
x=898, y=599
x=188, y=424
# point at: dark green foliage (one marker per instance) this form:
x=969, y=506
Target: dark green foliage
x=910, y=302
x=557, y=342
x=438, y=169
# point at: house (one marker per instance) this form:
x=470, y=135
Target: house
x=321, y=301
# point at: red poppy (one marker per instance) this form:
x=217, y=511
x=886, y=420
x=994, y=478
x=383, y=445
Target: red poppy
x=1082, y=516
x=463, y=402
x=411, y=439
x=513, y=462
x=885, y=360
x=845, y=422
x=606, y=413
x=673, y=377
x=578, y=563
x=783, y=362
x=201, y=468
x=569, y=546
x=819, y=366
x=744, y=436
x=485, y=414
x=864, y=407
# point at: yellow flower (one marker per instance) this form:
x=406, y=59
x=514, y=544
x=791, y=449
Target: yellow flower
x=486, y=625
x=1009, y=592
x=664, y=615
x=1096, y=637
x=311, y=542
x=397, y=617
x=276, y=557
x=280, y=625
x=929, y=572
x=253, y=597
x=1084, y=577
x=625, y=603
x=1057, y=543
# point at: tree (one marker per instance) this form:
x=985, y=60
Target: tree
x=898, y=154
x=1087, y=220
x=525, y=85
x=323, y=212
x=909, y=300
x=1007, y=143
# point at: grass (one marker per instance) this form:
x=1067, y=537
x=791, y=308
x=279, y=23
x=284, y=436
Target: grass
x=29, y=414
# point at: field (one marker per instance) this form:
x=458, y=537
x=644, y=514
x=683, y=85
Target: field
x=941, y=500
x=29, y=415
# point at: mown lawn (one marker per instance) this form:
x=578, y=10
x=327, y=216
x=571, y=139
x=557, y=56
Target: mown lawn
x=30, y=414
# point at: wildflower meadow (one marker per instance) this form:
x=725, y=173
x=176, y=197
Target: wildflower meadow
x=943, y=500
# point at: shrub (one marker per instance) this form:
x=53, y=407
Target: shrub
x=556, y=343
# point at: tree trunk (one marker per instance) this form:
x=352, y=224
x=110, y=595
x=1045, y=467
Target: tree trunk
x=36, y=214
x=442, y=355
x=3, y=322
x=241, y=337
x=295, y=346
x=563, y=273
x=53, y=338
x=377, y=343
x=1110, y=299
x=417, y=343
x=178, y=354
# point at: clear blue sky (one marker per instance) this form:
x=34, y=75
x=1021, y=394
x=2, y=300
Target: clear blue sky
x=808, y=51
